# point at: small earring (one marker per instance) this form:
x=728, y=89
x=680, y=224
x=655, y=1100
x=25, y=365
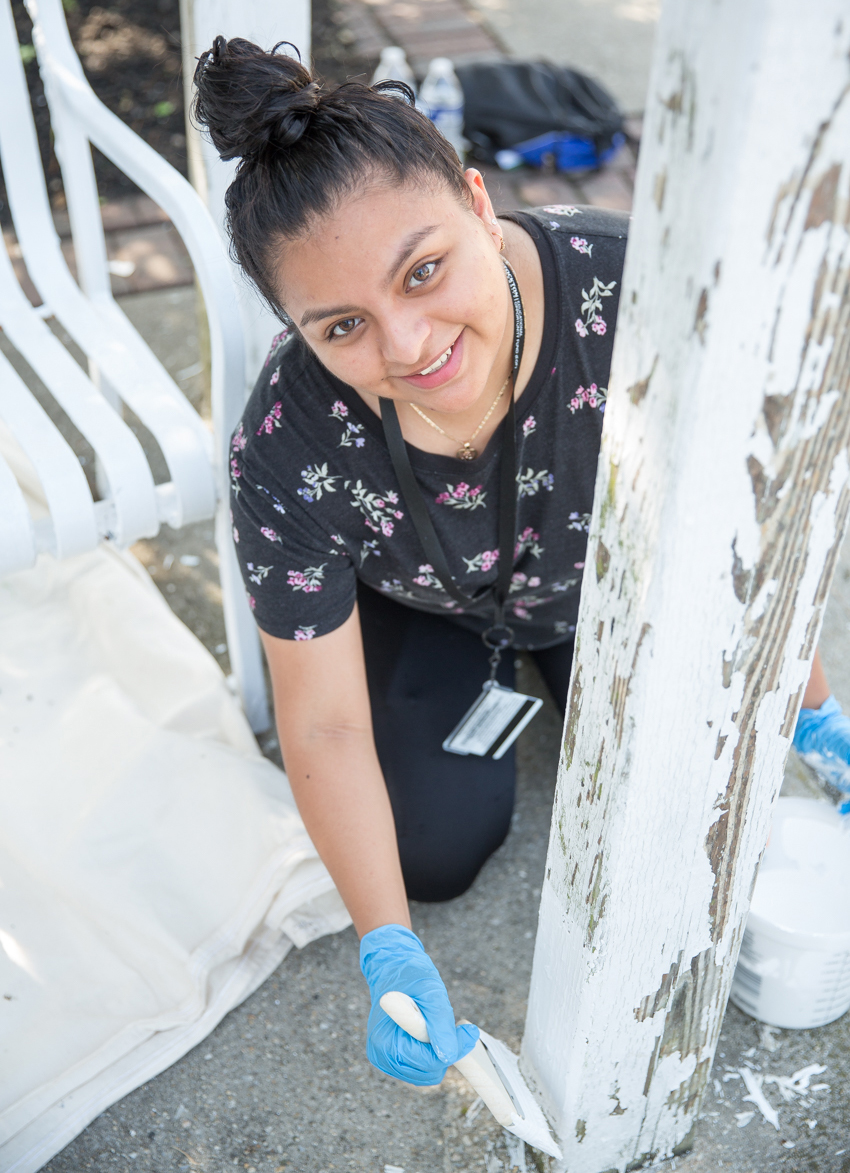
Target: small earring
x=501, y=244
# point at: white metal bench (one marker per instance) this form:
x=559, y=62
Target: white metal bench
x=121, y=367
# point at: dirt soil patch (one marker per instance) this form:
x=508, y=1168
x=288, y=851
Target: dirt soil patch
x=131, y=53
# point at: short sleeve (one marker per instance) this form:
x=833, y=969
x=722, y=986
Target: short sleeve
x=300, y=580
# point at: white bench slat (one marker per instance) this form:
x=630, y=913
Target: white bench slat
x=58, y=469
x=118, y=352
x=61, y=68
x=121, y=456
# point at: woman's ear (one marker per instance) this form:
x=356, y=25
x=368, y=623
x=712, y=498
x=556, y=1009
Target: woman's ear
x=481, y=205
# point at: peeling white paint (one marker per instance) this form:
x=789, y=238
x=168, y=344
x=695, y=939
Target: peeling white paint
x=721, y=496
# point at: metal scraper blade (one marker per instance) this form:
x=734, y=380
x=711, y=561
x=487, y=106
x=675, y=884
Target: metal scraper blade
x=529, y=1122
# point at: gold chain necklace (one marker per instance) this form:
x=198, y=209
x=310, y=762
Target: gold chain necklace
x=466, y=450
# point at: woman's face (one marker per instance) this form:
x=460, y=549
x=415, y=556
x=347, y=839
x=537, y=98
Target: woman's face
x=402, y=281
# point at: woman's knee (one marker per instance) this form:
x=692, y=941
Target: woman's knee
x=438, y=872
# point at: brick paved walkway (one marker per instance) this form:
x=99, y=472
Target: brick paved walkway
x=143, y=246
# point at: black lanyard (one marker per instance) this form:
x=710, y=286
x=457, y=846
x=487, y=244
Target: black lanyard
x=499, y=635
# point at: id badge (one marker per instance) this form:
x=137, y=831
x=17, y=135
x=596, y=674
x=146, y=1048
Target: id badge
x=493, y=723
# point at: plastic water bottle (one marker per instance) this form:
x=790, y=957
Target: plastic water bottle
x=441, y=97
x=393, y=66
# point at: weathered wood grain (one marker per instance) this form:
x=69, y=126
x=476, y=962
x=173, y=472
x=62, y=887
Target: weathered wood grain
x=721, y=501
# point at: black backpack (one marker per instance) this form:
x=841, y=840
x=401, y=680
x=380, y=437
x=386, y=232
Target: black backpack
x=510, y=102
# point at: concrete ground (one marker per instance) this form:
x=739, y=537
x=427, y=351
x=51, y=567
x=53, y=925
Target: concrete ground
x=283, y=1082
x=611, y=40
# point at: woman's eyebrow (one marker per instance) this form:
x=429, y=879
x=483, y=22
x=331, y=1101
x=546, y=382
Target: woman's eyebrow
x=333, y=311
x=407, y=248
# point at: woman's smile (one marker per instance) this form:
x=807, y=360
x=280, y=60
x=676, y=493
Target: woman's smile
x=440, y=371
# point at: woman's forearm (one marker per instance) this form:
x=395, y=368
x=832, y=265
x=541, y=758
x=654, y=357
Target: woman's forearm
x=324, y=722
x=342, y=797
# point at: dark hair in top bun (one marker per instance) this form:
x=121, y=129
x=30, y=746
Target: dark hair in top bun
x=301, y=148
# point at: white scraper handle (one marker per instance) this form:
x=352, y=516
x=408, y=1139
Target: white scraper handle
x=474, y=1067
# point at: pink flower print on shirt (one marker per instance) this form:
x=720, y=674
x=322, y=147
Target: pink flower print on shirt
x=252, y=602
x=270, y=534
x=581, y=245
x=593, y=396
x=528, y=541
x=486, y=560
x=235, y=474
x=277, y=343
x=375, y=507
x=591, y=307
x=578, y=565
x=426, y=577
x=236, y=535
x=534, y=581
x=520, y=611
x=518, y=581
x=351, y=432
x=305, y=632
x=271, y=421
x=237, y=444
x=561, y=210
x=461, y=496
x=309, y=580
x=274, y=377
x=529, y=424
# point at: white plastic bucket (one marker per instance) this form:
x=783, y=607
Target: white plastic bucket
x=794, y=967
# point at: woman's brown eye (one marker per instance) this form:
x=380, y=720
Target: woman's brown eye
x=421, y=274
x=344, y=327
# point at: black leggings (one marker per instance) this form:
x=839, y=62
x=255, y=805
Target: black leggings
x=451, y=812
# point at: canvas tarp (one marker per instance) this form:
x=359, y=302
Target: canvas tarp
x=153, y=867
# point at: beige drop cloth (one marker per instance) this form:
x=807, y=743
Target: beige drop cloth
x=153, y=868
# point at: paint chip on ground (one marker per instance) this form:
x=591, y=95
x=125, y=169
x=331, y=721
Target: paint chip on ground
x=756, y=1096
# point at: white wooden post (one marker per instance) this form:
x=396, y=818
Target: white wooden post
x=721, y=500
x=265, y=22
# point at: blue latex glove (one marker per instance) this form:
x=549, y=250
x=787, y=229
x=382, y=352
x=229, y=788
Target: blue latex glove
x=822, y=738
x=393, y=958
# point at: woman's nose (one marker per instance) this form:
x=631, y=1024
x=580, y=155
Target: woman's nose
x=404, y=341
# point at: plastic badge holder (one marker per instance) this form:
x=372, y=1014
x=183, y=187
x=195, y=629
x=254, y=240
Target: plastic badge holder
x=493, y=723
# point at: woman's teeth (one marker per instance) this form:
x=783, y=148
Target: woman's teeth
x=441, y=361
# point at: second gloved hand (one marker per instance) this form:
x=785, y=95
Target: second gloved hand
x=393, y=958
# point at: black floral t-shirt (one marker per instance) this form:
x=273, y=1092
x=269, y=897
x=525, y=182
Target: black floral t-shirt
x=315, y=500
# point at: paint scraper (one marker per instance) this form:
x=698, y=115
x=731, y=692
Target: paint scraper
x=493, y=1071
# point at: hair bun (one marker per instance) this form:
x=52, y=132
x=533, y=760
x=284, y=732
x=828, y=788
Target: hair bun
x=252, y=101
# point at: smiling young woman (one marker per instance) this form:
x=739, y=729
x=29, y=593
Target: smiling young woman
x=414, y=470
